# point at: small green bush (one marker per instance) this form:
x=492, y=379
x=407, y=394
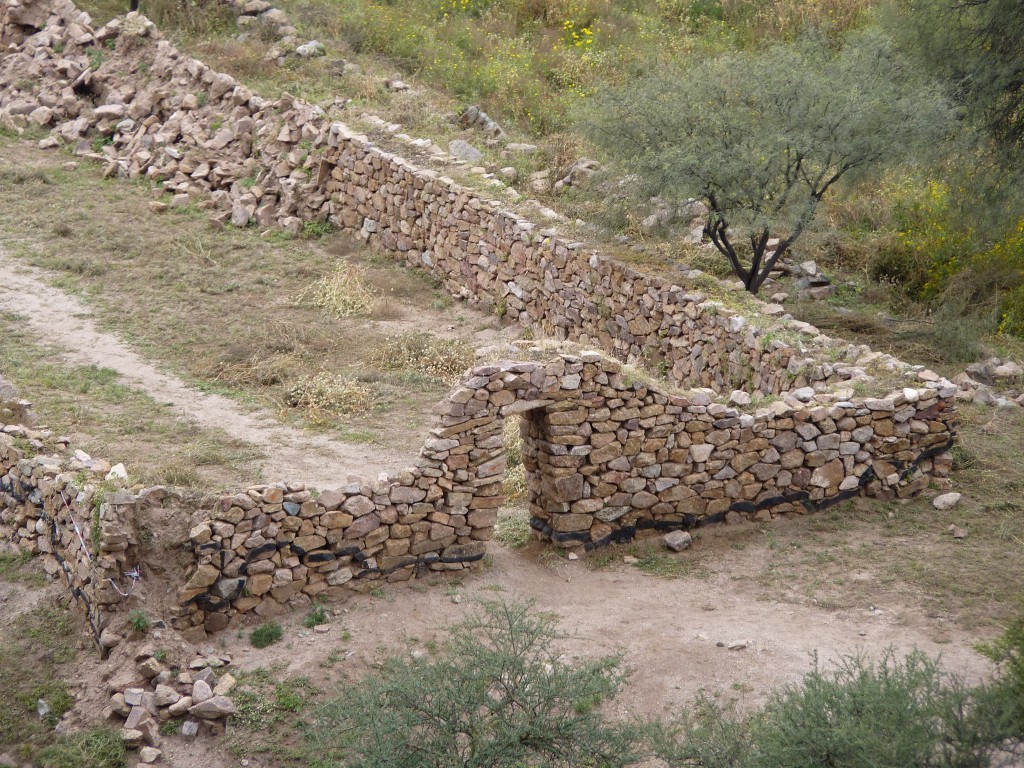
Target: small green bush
x=139, y=621
x=498, y=694
x=1006, y=695
x=317, y=616
x=266, y=634
x=862, y=714
x=98, y=748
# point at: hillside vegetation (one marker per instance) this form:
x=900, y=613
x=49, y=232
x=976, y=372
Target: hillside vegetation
x=933, y=240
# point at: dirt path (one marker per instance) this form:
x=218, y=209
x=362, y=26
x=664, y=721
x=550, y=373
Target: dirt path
x=291, y=454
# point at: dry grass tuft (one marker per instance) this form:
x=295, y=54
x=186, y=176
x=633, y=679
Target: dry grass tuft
x=421, y=352
x=514, y=485
x=326, y=396
x=241, y=368
x=343, y=293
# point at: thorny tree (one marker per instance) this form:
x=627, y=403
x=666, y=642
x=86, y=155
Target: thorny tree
x=761, y=138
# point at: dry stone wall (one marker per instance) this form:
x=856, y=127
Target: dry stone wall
x=53, y=506
x=206, y=139
x=606, y=456
x=270, y=544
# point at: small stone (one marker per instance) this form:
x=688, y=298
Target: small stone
x=165, y=696
x=311, y=49
x=109, y=639
x=804, y=394
x=133, y=696
x=1008, y=370
x=630, y=560
x=224, y=685
x=117, y=472
x=737, y=645
x=573, y=556
x=180, y=707
x=201, y=691
x=946, y=501
x=189, y=728
x=214, y=708
x=465, y=151
x=149, y=755
x=131, y=737
x=739, y=398
x=150, y=668
x=677, y=541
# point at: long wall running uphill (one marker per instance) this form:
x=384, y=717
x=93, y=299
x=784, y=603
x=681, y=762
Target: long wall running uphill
x=772, y=416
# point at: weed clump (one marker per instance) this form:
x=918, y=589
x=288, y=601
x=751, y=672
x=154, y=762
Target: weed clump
x=513, y=528
x=886, y=714
x=514, y=484
x=315, y=617
x=326, y=396
x=497, y=694
x=1006, y=695
x=96, y=748
x=266, y=634
x=139, y=621
x=421, y=352
x=343, y=293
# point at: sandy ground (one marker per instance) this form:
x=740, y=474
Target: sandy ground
x=64, y=321
x=667, y=631
x=673, y=635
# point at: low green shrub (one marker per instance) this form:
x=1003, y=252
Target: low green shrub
x=861, y=714
x=139, y=621
x=315, y=617
x=1006, y=693
x=497, y=694
x=97, y=748
x=266, y=634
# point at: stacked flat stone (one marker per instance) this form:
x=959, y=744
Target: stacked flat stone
x=208, y=140
x=617, y=458
x=158, y=694
x=263, y=547
x=605, y=456
x=44, y=511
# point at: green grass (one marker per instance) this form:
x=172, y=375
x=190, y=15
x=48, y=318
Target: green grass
x=654, y=561
x=35, y=648
x=22, y=568
x=315, y=617
x=117, y=422
x=866, y=552
x=266, y=634
x=176, y=282
x=95, y=748
x=271, y=711
x=139, y=621
x=513, y=527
